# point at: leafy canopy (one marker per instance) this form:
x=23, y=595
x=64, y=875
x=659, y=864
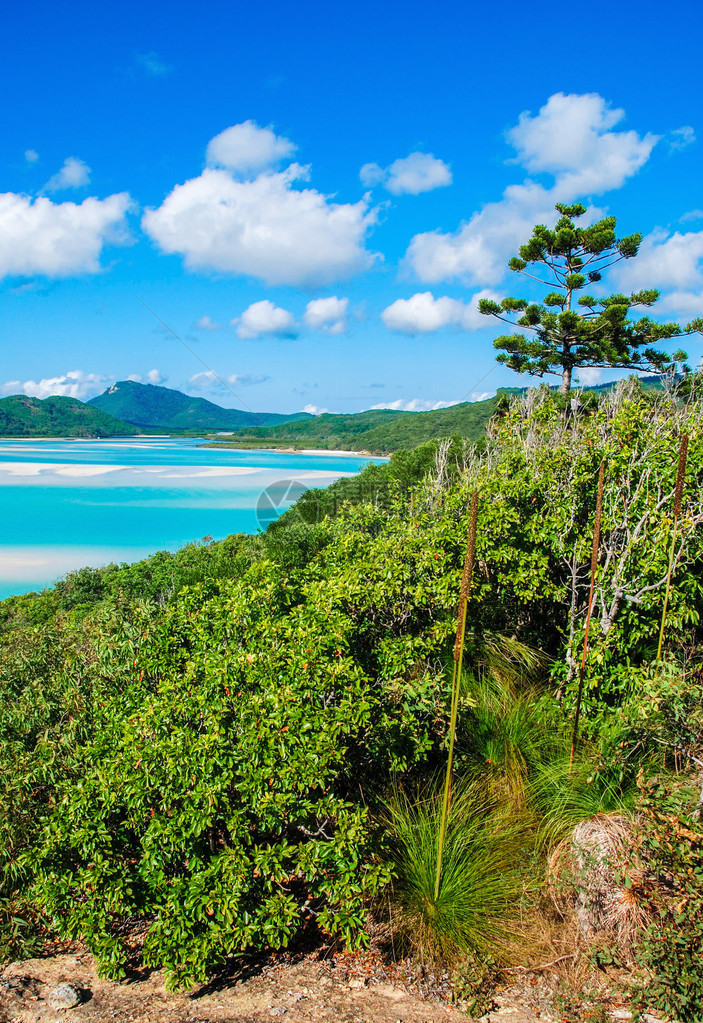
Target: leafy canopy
x=571, y=330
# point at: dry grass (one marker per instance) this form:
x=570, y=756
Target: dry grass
x=594, y=875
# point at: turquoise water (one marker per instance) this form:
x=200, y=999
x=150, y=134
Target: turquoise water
x=65, y=504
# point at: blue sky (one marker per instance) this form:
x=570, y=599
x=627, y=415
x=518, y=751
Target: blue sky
x=312, y=196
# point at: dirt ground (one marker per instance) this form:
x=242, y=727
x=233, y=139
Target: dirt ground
x=310, y=989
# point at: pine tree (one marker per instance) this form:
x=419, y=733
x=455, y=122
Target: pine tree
x=571, y=330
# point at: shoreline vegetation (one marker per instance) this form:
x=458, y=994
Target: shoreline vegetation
x=241, y=745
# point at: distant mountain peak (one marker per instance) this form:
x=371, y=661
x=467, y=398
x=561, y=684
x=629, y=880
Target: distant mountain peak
x=152, y=405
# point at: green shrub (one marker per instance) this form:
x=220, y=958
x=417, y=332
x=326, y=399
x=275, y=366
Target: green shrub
x=671, y=949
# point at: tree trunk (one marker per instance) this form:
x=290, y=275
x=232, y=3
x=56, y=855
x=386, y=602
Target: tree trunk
x=565, y=385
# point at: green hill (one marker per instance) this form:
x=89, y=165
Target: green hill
x=380, y=430
x=167, y=409
x=21, y=416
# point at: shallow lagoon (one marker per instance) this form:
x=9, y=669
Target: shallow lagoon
x=65, y=504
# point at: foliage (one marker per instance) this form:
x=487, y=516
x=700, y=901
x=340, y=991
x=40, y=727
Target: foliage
x=21, y=416
x=569, y=331
x=378, y=430
x=671, y=843
x=167, y=409
x=257, y=694
x=480, y=881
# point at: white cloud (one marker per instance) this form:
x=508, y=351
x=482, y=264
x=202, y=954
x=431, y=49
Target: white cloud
x=570, y=138
x=371, y=174
x=691, y=215
x=415, y=405
x=203, y=381
x=327, y=314
x=265, y=318
x=205, y=323
x=246, y=149
x=74, y=174
x=480, y=249
x=672, y=264
x=155, y=377
x=664, y=261
x=206, y=381
x=31, y=155
x=262, y=228
x=418, y=172
x=682, y=137
x=481, y=395
x=136, y=378
x=153, y=64
x=314, y=410
x=247, y=379
x=74, y=384
x=423, y=313
x=58, y=239
x=589, y=375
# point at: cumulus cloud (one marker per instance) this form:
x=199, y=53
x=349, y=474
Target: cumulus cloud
x=154, y=376
x=673, y=263
x=327, y=314
x=205, y=323
x=246, y=149
x=418, y=172
x=587, y=376
x=314, y=410
x=415, y=405
x=265, y=319
x=74, y=174
x=664, y=261
x=263, y=228
x=58, y=239
x=691, y=215
x=571, y=139
x=423, y=313
x=74, y=384
x=206, y=381
x=136, y=378
x=682, y=137
x=31, y=155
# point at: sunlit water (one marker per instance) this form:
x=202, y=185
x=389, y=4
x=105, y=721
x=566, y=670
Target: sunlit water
x=65, y=504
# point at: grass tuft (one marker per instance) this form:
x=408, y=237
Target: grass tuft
x=479, y=887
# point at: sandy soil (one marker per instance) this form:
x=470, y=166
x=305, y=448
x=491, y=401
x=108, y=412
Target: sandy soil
x=309, y=986
x=309, y=991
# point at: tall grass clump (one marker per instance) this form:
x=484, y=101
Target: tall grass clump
x=466, y=580
x=480, y=884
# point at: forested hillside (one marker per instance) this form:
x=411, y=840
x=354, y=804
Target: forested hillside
x=21, y=416
x=219, y=750
x=167, y=409
x=380, y=431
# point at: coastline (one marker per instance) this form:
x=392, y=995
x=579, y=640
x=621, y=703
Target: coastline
x=330, y=452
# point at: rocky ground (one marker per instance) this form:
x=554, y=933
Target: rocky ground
x=312, y=988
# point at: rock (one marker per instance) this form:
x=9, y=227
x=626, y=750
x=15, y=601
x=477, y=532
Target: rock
x=280, y=1010
x=389, y=991
x=65, y=996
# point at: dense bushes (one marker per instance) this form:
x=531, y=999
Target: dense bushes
x=205, y=741
x=671, y=844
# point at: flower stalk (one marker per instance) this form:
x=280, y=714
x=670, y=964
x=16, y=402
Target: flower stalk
x=594, y=565
x=466, y=581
